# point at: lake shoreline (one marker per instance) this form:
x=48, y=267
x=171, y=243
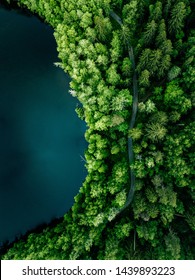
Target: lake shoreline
x=42, y=136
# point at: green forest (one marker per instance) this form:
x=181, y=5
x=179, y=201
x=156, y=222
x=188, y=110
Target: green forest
x=132, y=68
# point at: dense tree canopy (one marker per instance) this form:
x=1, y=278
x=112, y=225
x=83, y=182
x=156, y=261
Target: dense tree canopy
x=138, y=197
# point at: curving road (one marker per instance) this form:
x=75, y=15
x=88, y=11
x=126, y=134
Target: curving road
x=133, y=117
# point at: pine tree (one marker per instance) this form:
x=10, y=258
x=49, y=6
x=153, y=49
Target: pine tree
x=178, y=14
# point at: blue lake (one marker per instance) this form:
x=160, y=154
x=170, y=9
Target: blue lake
x=41, y=137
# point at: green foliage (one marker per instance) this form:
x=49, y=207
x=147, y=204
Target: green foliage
x=103, y=27
x=150, y=31
x=135, y=133
x=155, y=132
x=190, y=218
x=176, y=21
x=147, y=230
x=154, y=62
x=126, y=66
x=144, y=78
x=172, y=244
x=175, y=99
x=174, y=73
x=156, y=11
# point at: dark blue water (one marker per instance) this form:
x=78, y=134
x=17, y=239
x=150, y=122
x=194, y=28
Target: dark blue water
x=41, y=137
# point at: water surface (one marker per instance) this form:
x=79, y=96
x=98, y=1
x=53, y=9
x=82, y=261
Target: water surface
x=41, y=137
